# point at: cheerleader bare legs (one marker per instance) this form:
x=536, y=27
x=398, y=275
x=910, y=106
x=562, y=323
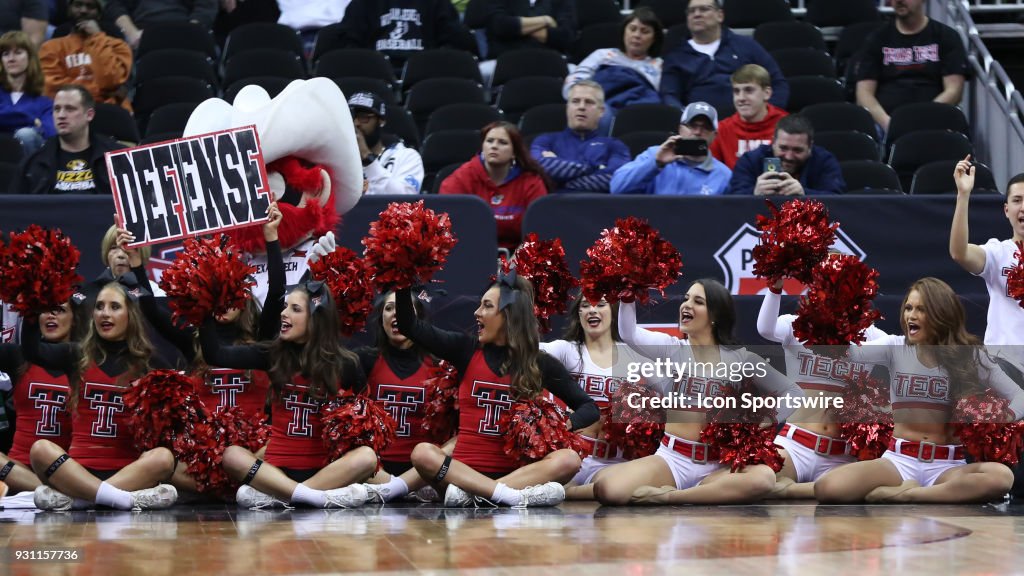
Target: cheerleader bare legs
x=307, y=366
x=40, y=399
x=1004, y=332
x=935, y=363
x=684, y=470
x=102, y=466
x=591, y=352
x=501, y=364
x=395, y=372
x=810, y=441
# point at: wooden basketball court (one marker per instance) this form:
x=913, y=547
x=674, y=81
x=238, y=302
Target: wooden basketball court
x=575, y=538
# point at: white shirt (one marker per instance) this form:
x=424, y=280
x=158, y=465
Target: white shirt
x=10, y=321
x=398, y=170
x=311, y=14
x=1005, y=315
x=295, y=266
x=709, y=49
x=599, y=383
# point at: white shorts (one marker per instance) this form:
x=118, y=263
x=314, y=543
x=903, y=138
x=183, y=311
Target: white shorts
x=810, y=465
x=924, y=473
x=591, y=466
x=685, y=471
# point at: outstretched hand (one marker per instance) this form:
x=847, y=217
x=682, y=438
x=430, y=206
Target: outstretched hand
x=322, y=247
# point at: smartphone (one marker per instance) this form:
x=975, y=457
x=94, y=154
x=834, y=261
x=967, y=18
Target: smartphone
x=691, y=147
x=773, y=165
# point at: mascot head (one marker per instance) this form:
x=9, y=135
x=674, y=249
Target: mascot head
x=310, y=149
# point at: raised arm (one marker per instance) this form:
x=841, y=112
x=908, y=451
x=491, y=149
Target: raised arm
x=769, y=325
x=242, y=357
x=273, y=304
x=970, y=257
x=454, y=347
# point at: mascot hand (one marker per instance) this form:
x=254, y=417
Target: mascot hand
x=322, y=247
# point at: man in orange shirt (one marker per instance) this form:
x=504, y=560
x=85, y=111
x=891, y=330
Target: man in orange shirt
x=89, y=57
x=753, y=124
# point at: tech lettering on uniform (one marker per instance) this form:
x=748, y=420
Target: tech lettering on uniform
x=190, y=186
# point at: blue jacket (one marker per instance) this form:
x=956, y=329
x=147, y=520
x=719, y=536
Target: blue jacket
x=689, y=76
x=25, y=113
x=821, y=174
x=584, y=163
x=641, y=176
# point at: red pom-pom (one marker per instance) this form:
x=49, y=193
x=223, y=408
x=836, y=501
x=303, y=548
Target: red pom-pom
x=38, y=270
x=347, y=277
x=164, y=410
x=741, y=436
x=250, y=431
x=535, y=428
x=983, y=422
x=1015, y=277
x=866, y=430
x=793, y=240
x=837, y=308
x=637, y=431
x=407, y=245
x=208, y=278
x=441, y=407
x=353, y=421
x=628, y=261
x=542, y=262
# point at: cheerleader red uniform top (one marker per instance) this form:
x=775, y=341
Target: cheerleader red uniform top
x=296, y=433
x=395, y=381
x=913, y=385
x=40, y=403
x=484, y=393
x=225, y=387
x=100, y=436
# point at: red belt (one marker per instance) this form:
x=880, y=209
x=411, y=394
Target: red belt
x=824, y=445
x=927, y=451
x=699, y=452
x=600, y=448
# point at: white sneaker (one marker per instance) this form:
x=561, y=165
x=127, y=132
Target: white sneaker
x=379, y=492
x=159, y=498
x=253, y=499
x=350, y=496
x=46, y=498
x=550, y=494
x=455, y=497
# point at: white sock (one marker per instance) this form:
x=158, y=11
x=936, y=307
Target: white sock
x=505, y=495
x=305, y=495
x=398, y=488
x=113, y=497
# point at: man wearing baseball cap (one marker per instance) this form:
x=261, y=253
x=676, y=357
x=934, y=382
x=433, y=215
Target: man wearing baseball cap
x=660, y=170
x=391, y=169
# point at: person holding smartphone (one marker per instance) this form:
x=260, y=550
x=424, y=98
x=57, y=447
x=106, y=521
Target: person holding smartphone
x=681, y=165
x=790, y=166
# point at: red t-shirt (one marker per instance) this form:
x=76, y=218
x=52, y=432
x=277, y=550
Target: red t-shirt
x=405, y=400
x=101, y=438
x=227, y=387
x=40, y=401
x=296, y=434
x=483, y=398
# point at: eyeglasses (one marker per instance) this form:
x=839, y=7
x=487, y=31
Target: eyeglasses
x=702, y=9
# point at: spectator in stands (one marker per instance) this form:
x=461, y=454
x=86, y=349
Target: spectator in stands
x=629, y=74
x=578, y=159
x=912, y=59
x=401, y=28
x=504, y=176
x=699, y=69
x=25, y=111
x=753, y=124
x=309, y=16
x=28, y=16
x=89, y=57
x=133, y=16
x=1004, y=333
x=660, y=170
x=513, y=24
x=72, y=162
x=392, y=169
x=804, y=168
